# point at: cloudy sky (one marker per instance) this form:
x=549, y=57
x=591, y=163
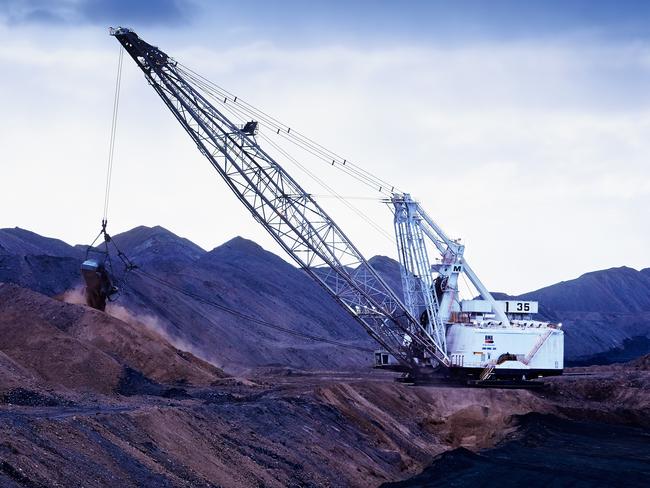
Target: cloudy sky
x=522, y=127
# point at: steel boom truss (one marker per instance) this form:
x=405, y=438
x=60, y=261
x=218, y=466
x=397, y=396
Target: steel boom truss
x=290, y=214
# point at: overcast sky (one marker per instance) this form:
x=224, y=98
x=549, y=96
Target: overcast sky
x=522, y=127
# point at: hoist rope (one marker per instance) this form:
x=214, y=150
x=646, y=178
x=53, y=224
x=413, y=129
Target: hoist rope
x=111, y=144
x=128, y=265
x=250, y=318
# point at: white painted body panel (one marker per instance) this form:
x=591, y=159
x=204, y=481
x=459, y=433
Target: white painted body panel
x=474, y=346
x=476, y=306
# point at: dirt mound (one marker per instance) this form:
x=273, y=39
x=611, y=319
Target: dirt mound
x=409, y=425
x=606, y=314
x=546, y=451
x=14, y=375
x=49, y=342
x=327, y=429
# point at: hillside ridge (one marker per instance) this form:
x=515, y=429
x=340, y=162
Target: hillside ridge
x=604, y=312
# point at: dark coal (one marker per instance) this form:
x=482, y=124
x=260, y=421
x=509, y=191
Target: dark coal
x=133, y=382
x=547, y=451
x=29, y=398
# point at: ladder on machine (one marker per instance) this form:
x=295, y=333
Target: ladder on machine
x=538, y=345
x=487, y=373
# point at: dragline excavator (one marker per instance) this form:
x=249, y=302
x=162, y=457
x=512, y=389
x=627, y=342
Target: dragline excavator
x=430, y=326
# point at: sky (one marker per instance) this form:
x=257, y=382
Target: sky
x=521, y=127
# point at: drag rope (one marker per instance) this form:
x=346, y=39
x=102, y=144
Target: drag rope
x=249, y=318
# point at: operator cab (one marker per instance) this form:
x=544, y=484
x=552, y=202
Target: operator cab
x=385, y=360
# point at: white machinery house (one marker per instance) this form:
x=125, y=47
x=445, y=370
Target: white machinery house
x=481, y=337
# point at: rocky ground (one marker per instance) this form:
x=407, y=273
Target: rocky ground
x=88, y=399
x=283, y=429
x=544, y=451
x=595, y=433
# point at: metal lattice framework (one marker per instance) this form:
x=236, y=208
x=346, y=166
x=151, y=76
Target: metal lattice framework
x=413, y=227
x=291, y=215
x=417, y=278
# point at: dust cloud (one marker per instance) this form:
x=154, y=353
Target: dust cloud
x=150, y=322
x=154, y=324
x=75, y=296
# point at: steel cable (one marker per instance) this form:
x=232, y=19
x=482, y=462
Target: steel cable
x=111, y=145
x=342, y=199
x=249, y=318
x=222, y=96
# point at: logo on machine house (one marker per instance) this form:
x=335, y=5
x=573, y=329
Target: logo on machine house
x=488, y=343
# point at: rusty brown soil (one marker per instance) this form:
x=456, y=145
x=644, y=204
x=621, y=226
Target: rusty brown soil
x=88, y=400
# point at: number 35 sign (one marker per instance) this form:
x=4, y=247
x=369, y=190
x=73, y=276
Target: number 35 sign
x=516, y=306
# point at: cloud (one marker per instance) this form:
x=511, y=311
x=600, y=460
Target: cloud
x=534, y=152
x=151, y=12
x=104, y=12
